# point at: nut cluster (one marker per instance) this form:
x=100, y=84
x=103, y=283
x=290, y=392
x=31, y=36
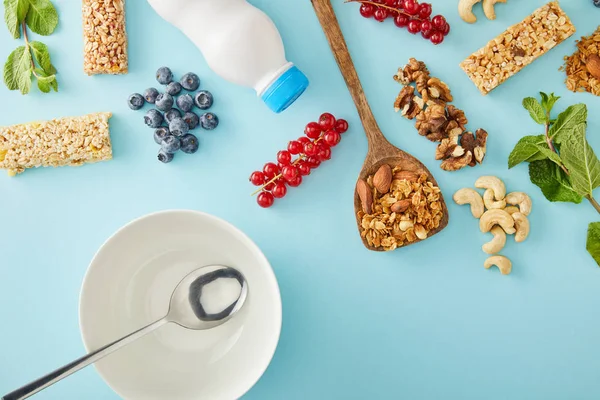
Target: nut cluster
x=506, y=214
x=398, y=207
x=583, y=67
x=427, y=103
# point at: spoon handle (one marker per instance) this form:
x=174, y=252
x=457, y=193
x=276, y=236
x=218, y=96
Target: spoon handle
x=336, y=40
x=42, y=383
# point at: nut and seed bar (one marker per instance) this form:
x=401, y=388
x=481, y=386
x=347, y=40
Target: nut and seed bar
x=517, y=47
x=104, y=37
x=66, y=141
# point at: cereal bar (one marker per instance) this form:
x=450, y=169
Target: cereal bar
x=66, y=141
x=104, y=37
x=518, y=47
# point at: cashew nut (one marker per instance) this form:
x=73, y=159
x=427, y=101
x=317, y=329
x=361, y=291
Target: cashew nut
x=488, y=8
x=497, y=217
x=522, y=200
x=465, y=10
x=490, y=203
x=503, y=264
x=470, y=196
x=512, y=209
x=491, y=182
x=522, y=225
x=497, y=243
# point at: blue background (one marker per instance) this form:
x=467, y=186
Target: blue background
x=425, y=322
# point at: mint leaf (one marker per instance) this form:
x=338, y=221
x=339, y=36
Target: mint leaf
x=14, y=14
x=548, y=101
x=42, y=56
x=580, y=160
x=566, y=121
x=18, y=69
x=45, y=82
x=532, y=148
x=535, y=110
x=553, y=182
x=592, y=244
x=42, y=17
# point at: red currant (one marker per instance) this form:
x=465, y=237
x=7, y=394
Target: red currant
x=341, y=125
x=425, y=10
x=284, y=157
x=295, y=147
x=401, y=20
x=296, y=181
x=446, y=30
x=312, y=130
x=279, y=190
x=437, y=38
x=426, y=26
x=270, y=170
x=265, y=199
x=367, y=10
x=289, y=172
x=303, y=168
x=427, y=34
x=438, y=22
x=313, y=162
x=391, y=3
x=303, y=140
x=414, y=26
x=327, y=121
x=411, y=7
x=332, y=138
x=269, y=186
x=310, y=149
x=324, y=151
x=381, y=14
x=257, y=178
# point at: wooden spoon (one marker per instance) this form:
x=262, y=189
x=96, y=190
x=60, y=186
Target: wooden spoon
x=380, y=150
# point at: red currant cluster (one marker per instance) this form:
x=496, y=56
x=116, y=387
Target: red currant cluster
x=407, y=14
x=302, y=155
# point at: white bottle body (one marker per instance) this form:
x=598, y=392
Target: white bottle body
x=238, y=41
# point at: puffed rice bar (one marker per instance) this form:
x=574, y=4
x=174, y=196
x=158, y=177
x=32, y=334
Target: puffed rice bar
x=66, y=141
x=517, y=47
x=104, y=37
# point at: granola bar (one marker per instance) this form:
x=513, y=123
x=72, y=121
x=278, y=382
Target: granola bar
x=517, y=47
x=579, y=78
x=104, y=37
x=66, y=141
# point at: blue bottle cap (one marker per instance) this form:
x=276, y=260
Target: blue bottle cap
x=285, y=90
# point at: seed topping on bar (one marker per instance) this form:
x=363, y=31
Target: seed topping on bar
x=517, y=47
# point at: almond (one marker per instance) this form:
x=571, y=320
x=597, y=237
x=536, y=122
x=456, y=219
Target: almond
x=365, y=195
x=400, y=206
x=409, y=176
x=383, y=179
x=593, y=65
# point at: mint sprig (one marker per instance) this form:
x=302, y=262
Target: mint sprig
x=561, y=161
x=33, y=59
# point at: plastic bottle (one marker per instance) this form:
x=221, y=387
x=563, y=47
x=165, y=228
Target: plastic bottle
x=240, y=43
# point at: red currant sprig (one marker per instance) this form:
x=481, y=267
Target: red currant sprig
x=407, y=14
x=301, y=156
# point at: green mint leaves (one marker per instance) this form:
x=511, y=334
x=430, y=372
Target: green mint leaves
x=33, y=59
x=561, y=161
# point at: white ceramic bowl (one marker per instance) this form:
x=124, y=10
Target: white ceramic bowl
x=129, y=284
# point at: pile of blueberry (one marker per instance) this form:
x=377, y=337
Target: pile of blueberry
x=173, y=118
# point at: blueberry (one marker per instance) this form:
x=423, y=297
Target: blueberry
x=209, y=121
x=160, y=134
x=171, y=144
x=172, y=114
x=597, y=3
x=191, y=119
x=164, y=102
x=189, y=144
x=204, y=99
x=153, y=118
x=173, y=88
x=164, y=76
x=150, y=95
x=190, y=81
x=135, y=101
x=165, y=157
x=185, y=102
x=178, y=127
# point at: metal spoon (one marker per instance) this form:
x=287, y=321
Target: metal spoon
x=186, y=309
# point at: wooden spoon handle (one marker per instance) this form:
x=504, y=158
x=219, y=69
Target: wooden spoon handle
x=334, y=35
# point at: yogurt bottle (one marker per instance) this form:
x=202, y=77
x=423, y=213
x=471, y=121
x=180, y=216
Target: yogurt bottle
x=241, y=44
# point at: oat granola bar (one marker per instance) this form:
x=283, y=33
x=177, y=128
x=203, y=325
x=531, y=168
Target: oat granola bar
x=579, y=78
x=104, y=37
x=517, y=47
x=66, y=141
